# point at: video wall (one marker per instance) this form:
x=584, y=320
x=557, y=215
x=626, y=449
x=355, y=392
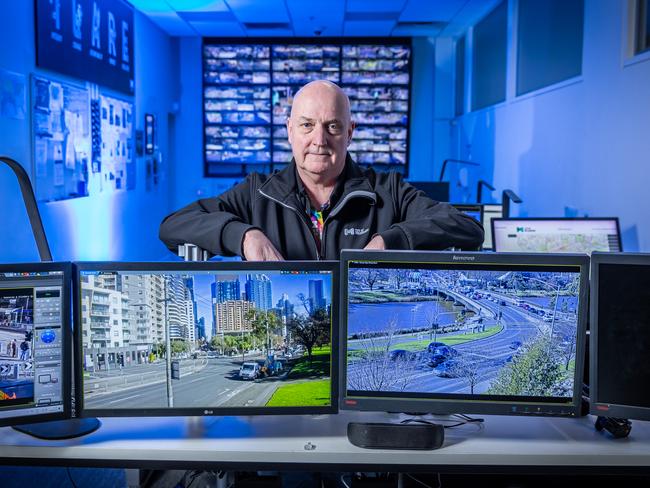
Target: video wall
x=248, y=90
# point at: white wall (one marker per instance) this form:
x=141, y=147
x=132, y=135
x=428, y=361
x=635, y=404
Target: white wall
x=123, y=226
x=580, y=147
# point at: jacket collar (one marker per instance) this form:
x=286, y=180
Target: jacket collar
x=284, y=187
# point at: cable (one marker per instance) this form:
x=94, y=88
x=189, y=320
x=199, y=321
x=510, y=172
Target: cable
x=343, y=480
x=74, y=485
x=419, y=481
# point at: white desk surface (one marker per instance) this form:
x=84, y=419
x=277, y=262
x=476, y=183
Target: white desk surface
x=279, y=441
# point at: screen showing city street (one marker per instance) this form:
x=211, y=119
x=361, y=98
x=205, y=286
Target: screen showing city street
x=418, y=331
x=206, y=339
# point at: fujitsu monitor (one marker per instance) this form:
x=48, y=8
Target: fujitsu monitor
x=556, y=235
x=444, y=332
x=35, y=339
x=620, y=335
x=206, y=338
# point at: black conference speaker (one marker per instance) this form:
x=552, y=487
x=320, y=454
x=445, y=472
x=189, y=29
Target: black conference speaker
x=396, y=436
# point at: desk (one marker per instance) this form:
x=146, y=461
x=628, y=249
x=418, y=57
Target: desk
x=501, y=444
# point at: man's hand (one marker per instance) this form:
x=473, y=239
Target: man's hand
x=376, y=243
x=257, y=247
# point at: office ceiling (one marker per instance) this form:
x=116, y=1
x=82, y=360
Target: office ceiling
x=314, y=18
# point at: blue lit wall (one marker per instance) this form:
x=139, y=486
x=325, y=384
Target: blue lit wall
x=573, y=149
x=122, y=226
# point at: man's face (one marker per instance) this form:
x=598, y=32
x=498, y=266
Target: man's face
x=320, y=131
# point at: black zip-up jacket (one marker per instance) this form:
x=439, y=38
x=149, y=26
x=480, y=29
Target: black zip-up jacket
x=370, y=203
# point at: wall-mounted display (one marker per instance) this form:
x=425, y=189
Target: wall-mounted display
x=87, y=39
x=248, y=89
x=62, y=139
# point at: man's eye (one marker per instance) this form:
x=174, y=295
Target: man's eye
x=306, y=125
x=334, y=127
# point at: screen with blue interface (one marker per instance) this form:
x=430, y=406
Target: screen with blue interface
x=239, y=339
x=32, y=383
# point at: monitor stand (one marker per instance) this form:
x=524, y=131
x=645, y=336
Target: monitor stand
x=60, y=429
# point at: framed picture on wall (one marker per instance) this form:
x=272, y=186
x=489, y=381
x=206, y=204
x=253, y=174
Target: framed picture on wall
x=149, y=127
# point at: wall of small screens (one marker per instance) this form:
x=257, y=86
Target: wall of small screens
x=248, y=88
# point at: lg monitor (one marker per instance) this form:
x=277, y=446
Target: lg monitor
x=490, y=211
x=620, y=335
x=556, y=235
x=35, y=340
x=446, y=332
x=206, y=338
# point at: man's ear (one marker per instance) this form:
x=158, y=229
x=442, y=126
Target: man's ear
x=350, y=131
x=289, y=129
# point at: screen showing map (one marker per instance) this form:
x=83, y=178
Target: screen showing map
x=556, y=235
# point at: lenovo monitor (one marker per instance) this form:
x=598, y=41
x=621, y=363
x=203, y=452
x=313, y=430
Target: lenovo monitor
x=620, y=335
x=490, y=211
x=244, y=338
x=474, y=210
x=35, y=339
x=446, y=332
x=556, y=235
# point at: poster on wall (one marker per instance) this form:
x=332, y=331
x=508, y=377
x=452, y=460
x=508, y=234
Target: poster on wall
x=12, y=95
x=116, y=168
x=87, y=39
x=62, y=139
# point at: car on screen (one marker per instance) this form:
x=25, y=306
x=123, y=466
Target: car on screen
x=402, y=355
x=249, y=371
x=448, y=369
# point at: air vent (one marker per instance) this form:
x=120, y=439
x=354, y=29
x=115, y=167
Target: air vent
x=419, y=23
x=267, y=26
x=371, y=16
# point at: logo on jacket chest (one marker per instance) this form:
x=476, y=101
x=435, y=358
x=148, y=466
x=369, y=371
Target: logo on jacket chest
x=352, y=231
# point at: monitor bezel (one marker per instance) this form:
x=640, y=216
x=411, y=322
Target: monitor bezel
x=470, y=207
x=597, y=407
x=66, y=340
x=451, y=406
x=558, y=219
x=216, y=266
x=489, y=209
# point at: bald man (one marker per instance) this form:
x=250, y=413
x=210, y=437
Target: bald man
x=321, y=202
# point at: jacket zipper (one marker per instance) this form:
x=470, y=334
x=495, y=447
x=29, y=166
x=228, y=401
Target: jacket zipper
x=339, y=206
x=302, y=219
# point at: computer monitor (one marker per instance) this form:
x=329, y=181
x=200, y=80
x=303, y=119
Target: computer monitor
x=35, y=340
x=446, y=332
x=473, y=210
x=620, y=335
x=556, y=235
x=436, y=190
x=245, y=338
x=490, y=211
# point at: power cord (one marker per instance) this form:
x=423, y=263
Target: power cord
x=74, y=485
x=462, y=420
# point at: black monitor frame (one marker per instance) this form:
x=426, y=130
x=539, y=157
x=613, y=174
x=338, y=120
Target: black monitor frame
x=558, y=219
x=66, y=340
x=597, y=407
x=470, y=207
x=241, y=267
x=479, y=406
